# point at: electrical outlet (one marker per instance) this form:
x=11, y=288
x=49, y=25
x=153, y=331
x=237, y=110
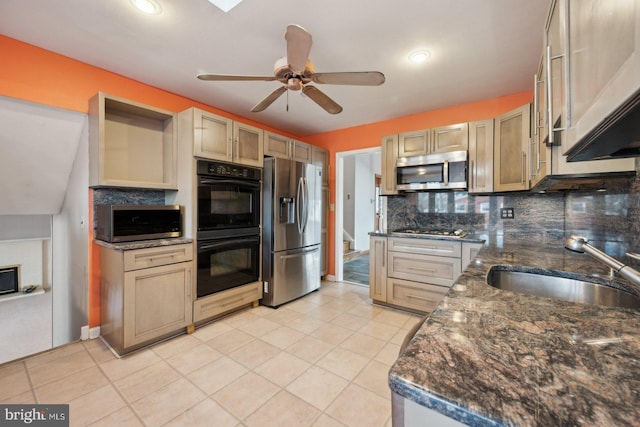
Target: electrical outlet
x=506, y=213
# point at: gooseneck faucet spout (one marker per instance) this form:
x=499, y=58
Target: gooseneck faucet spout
x=579, y=244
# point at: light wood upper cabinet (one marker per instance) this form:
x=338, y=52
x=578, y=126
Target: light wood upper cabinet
x=481, y=156
x=450, y=138
x=511, y=148
x=131, y=144
x=556, y=68
x=301, y=151
x=280, y=146
x=219, y=138
x=414, y=143
x=604, y=52
x=389, y=158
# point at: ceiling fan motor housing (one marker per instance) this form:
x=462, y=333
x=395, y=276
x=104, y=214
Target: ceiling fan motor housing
x=285, y=75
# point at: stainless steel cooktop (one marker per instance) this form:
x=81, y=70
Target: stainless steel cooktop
x=450, y=232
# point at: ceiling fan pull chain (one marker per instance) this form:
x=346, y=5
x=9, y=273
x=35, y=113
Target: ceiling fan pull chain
x=287, y=101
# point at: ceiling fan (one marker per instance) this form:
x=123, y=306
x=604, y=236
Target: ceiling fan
x=295, y=71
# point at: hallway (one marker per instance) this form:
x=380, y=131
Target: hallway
x=356, y=268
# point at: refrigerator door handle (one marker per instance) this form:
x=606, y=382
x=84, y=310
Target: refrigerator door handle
x=299, y=254
x=305, y=212
x=299, y=201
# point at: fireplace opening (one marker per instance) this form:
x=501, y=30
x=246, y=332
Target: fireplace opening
x=9, y=279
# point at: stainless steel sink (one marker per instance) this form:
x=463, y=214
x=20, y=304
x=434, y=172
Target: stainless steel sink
x=562, y=288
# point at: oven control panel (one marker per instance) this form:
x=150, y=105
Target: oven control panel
x=228, y=170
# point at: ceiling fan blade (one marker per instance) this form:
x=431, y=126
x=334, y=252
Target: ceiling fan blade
x=269, y=99
x=298, y=47
x=230, y=78
x=322, y=100
x=358, y=78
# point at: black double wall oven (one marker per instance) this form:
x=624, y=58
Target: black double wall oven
x=228, y=237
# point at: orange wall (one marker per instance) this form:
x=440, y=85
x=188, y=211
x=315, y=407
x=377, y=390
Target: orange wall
x=370, y=135
x=37, y=75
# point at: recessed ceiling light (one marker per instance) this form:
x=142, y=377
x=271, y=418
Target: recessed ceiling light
x=225, y=5
x=150, y=7
x=419, y=56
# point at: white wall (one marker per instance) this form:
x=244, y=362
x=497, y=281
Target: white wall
x=364, y=210
x=348, y=196
x=71, y=251
x=26, y=322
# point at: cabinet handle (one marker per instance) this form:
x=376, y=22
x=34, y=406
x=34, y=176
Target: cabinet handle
x=549, y=96
x=420, y=298
x=230, y=148
x=473, y=174
x=189, y=285
x=524, y=167
x=535, y=104
x=384, y=252
x=420, y=269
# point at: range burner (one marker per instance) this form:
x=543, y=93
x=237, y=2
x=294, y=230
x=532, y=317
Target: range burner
x=435, y=231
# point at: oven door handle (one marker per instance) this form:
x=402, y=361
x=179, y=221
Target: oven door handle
x=226, y=243
x=251, y=184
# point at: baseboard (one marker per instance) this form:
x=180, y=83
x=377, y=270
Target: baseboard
x=330, y=278
x=87, y=333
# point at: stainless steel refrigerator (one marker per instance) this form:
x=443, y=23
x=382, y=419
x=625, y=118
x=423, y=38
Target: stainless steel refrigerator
x=291, y=223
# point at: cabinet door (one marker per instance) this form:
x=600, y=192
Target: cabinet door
x=414, y=143
x=481, y=156
x=277, y=145
x=157, y=302
x=378, y=268
x=320, y=157
x=450, y=138
x=556, y=68
x=540, y=153
x=248, y=145
x=415, y=295
x=301, y=151
x=212, y=136
x=511, y=168
x=604, y=55
x=389, y=158
x=324, y=232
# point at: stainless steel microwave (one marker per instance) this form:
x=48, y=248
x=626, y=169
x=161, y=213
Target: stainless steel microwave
x=440, y=171
x=127, y=223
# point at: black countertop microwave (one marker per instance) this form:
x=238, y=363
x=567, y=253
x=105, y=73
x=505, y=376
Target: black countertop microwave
x=127, y=223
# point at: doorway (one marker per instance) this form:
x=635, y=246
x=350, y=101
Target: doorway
x=355, y=217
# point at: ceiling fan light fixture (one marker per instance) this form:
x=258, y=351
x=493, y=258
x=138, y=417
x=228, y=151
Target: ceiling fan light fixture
x=225, y=5
x=150, y=7
x=419, y=56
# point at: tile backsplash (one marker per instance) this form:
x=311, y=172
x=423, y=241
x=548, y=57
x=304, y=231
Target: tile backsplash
x=601, y=216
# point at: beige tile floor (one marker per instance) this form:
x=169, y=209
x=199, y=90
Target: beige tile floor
x=319, y=361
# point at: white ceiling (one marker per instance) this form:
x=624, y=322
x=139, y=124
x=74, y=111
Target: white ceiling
x=480, y=49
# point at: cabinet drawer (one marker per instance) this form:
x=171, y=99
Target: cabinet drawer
x=426, y=246
x=219, y=303
x=153, y=257
x=416, y=296
x=436, y=270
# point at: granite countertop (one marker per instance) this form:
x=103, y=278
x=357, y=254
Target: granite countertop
x=142, y=244
x=491, y=357
x=469, y=238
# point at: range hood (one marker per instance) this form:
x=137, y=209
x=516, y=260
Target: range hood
x=583, y=176
x=583, y=182
x=617, y=136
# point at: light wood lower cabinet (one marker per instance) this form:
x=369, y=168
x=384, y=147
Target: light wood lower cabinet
x=415, y=273
x=378, y=268
x=145, y=294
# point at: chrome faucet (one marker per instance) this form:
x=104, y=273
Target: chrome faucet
x=579, y=244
